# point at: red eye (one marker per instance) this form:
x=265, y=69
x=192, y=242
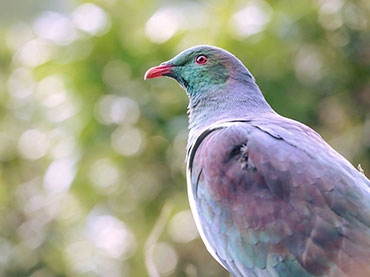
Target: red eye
x=201, y=59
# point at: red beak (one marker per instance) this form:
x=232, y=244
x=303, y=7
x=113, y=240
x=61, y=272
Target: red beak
x=157, y=71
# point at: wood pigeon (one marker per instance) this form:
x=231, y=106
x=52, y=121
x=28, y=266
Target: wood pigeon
x=269, y=196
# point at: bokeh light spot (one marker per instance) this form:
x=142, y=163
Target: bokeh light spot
x=112, y=235
x=355, y=17
x=33, y=53
x=104, y=173
x=308, y=64
x=55, y=27
x=60, y=174
x=127, y=141
x=117, y=109
x=330, y=14
x=165, y=258
x=64, y=143
x=251, y=19
x=182, y=227
x=92, y=19
x=162, y=26
x=51, y=91
x=33, y=144
x=21, y=83
x=165, y=22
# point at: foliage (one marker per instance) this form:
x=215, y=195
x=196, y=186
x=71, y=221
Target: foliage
x=92, y=174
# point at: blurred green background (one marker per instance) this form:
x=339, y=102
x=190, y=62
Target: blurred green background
x=92, y=173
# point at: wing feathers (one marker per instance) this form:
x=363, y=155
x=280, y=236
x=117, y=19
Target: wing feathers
x=280, y=202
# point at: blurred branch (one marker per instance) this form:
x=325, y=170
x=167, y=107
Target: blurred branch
x=153, y=239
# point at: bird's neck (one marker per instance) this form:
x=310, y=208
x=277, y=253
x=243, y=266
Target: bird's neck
x=226, y=103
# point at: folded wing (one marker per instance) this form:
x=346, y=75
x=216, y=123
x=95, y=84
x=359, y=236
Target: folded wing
x=273, y=199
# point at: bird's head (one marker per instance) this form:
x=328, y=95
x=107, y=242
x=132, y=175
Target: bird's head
x=202, y=69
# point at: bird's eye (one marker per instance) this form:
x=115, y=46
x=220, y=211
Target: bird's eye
x=201, y=59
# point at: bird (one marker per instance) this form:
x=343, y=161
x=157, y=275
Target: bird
x=268, y=195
